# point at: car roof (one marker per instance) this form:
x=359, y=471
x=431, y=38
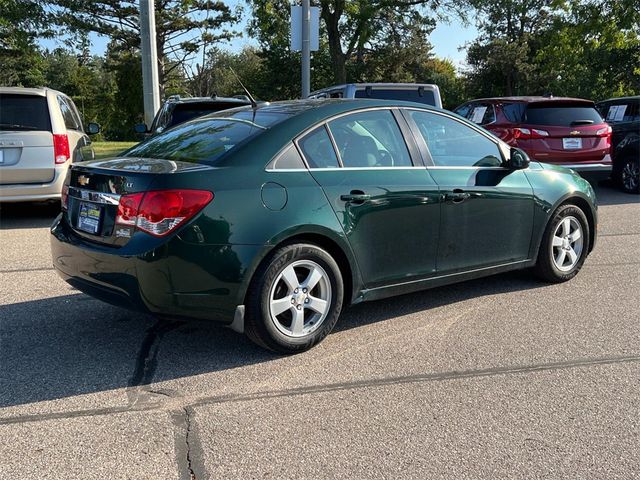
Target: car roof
x=239, y=101
x=617, y=99
x=39, y=91
x=531, y=99
x=375, y=84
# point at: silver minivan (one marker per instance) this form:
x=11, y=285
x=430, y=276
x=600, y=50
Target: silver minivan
x=425, y=93
x=41, y=134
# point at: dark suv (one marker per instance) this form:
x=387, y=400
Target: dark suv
x=177, y=110
x=564, y=131
x=623, y=114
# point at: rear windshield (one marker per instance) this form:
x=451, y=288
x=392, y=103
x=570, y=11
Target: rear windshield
x=206, y=139
x=24, y=112
x=561, y=115
x=420, y=95
x=183, y=112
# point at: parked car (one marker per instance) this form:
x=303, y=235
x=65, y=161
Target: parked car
x=177, y=110
x=563, y=131
x=623, y=114
x=425, y=93
x=41, y=134
x=271, y=220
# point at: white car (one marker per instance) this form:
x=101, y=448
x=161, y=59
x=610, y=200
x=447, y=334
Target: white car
x=41, y=134
x=425, y=93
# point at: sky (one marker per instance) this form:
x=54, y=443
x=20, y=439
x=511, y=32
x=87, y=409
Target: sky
x=446, y=39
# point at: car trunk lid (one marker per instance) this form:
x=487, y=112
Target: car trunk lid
x=94, y=191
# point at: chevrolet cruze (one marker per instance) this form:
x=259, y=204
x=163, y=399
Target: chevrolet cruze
x=272, y=219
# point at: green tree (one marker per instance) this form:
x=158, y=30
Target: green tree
x=183, y=27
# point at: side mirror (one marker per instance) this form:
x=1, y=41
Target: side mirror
x=519, y=160
x=140, y=128
x=93, y=128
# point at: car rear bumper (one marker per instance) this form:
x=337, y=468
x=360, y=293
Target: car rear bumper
x=33, y=192
x=174, y=279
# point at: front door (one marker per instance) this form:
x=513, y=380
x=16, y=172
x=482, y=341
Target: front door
x=388, y=204
x=487, y=209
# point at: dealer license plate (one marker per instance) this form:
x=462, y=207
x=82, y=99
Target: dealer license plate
x=571, y=143
x=89, y=217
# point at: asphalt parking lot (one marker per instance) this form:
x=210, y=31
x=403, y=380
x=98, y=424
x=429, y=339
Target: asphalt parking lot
x=503, y=377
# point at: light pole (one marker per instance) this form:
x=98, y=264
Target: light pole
x=150, y=83
x=306, y=48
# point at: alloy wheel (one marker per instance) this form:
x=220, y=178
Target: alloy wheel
x=630, y=175
x=567, y=244
x=300, y=298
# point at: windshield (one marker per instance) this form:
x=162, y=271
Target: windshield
x=24, y=112
x=206, y=139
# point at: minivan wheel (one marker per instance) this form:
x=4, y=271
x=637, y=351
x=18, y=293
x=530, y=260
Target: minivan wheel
x=629, y=175
x=295, y=299
x=564, y=246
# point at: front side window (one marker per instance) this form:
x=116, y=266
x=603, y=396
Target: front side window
x=453, y=144
x=370, y=139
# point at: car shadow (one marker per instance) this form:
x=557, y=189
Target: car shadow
x=73, y=345
x=608, y=194
x=28, y=215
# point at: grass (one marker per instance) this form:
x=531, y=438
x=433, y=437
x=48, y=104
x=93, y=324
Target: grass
x=110, y=149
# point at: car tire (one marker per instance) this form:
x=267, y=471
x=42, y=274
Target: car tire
x=628, y=174
x=294, y=299
x=565, y=245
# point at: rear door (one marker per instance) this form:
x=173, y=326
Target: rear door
x=487, y=210
x=26, y=140
x=385, y=199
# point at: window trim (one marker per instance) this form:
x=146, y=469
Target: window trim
x=414, y=159
x=422, y=143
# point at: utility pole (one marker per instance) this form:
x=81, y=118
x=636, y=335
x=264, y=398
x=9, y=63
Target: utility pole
x=150, y=83
x=306, y=48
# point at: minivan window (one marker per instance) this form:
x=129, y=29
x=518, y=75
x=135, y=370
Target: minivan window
x=71, y=121
x=24, y=112
x=206, y=139
x=561, y=115
x=419, y=95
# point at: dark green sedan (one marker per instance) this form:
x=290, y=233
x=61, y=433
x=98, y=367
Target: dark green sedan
x=271, y=220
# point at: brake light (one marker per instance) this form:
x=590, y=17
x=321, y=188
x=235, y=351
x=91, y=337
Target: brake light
x=61, y=148
x=606, y=133
x=526, y=133
x=162, y=211
x=64, y=195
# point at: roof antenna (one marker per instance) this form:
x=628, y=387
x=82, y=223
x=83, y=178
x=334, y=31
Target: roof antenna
x=254, y=104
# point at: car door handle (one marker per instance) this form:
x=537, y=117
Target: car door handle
x=457, y=196
x=355, y=196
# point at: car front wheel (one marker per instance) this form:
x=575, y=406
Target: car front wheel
x=564, y=246
x=295, y=299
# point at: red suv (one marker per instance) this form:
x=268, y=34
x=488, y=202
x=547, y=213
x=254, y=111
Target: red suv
x=564, y=131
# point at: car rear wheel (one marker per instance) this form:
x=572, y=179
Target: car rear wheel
x=564, y=246
x=295, y=299
x=629, y=175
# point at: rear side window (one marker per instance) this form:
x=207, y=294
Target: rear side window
x=482, y=113
x=622, y=112
x=205, y=140
x=554, y=114
x=71, y=119
x=24, y=112
x=318, y=149
x=419, y=94
x=369, y=140
x=514, y=111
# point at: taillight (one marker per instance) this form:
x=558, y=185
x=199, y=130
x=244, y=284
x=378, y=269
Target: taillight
x=606, y=133
x=61, y=148
x=527, y=133
x=160, y=212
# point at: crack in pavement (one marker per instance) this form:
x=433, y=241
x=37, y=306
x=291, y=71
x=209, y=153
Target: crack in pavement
x=180, y=403
x=186, y=444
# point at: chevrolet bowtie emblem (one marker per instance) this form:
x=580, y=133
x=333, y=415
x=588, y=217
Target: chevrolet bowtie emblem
x=575, y=132
x=82, y=180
